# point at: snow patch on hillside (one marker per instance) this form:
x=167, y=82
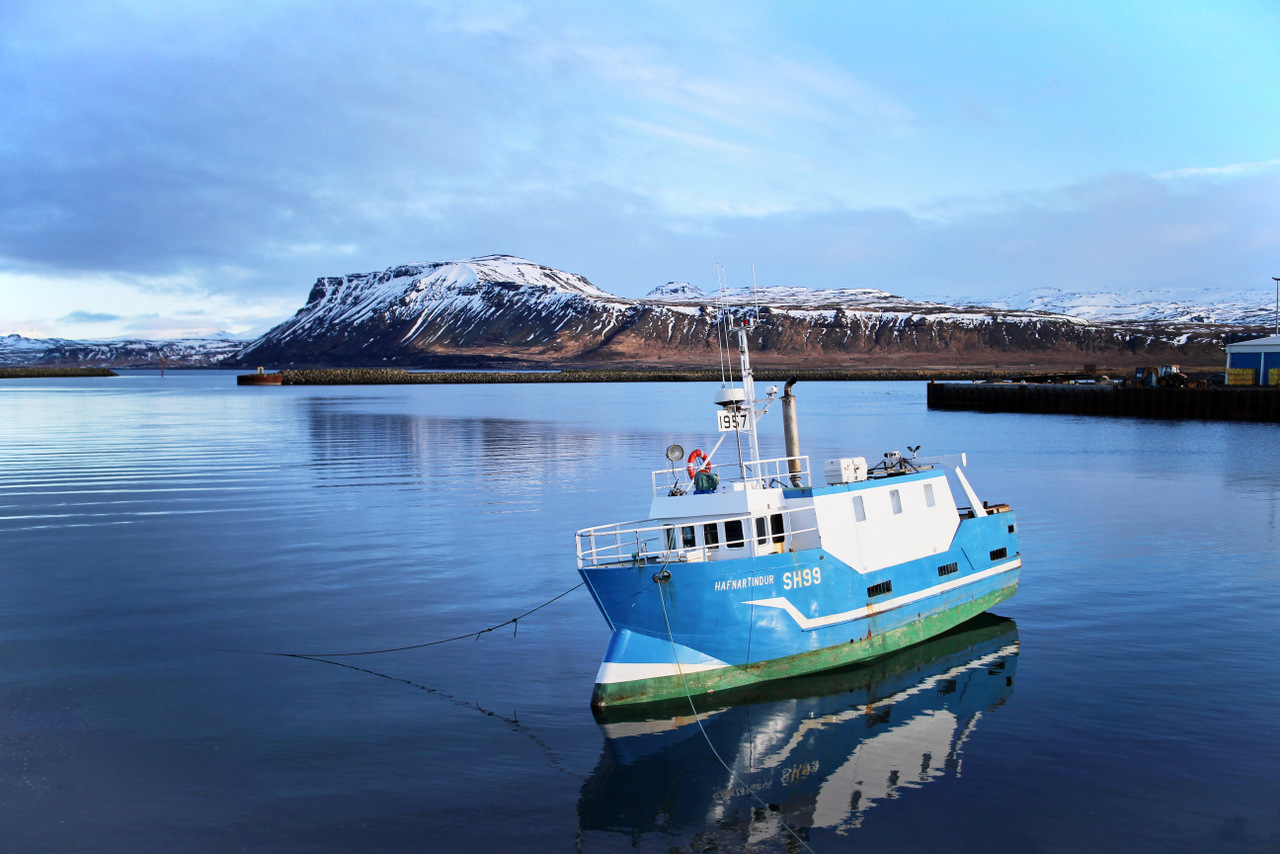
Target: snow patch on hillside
x=1150, y=305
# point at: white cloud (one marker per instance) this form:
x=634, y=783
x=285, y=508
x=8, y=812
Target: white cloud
x=183, y=153
x=1233, y=169
x=113, y=306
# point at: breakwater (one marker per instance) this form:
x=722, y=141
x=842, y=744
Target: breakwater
x=399, y=376
x=1215, y=404
x=16, y=373
x=259, y=379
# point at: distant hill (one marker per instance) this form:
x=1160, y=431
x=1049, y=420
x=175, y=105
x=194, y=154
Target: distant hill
x=503, y=308
x=1149, y=306
x=129, y=353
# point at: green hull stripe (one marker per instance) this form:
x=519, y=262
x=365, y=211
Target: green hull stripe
x=864, y=649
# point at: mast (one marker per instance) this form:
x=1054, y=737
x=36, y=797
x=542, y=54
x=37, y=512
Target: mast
x=741, y=401
x=749, y=388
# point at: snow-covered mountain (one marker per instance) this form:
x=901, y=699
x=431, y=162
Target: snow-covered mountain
x=1148, y=306
x=676, y=291
x=501, y=308
x=496, y=301
x=182, y=352
x=504, y=307
x=795, y=296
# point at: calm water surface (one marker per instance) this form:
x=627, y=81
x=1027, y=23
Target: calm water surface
x=158, y=535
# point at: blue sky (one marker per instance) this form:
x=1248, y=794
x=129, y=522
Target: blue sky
x=184, y=168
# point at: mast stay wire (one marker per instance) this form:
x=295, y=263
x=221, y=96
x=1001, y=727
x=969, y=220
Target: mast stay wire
x=723, y=337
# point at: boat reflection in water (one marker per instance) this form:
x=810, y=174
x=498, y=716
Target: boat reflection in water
x=820, y=750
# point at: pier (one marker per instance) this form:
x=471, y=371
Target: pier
x=1214, y=404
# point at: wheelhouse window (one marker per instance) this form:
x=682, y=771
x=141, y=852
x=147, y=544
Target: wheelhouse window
x=928, y=494
x=711, y=535
x=859, y=509
x=895, y=499
x=779, y=529
x=733, y=537
x=687, y=537
x=670, y=537
x=762, y=530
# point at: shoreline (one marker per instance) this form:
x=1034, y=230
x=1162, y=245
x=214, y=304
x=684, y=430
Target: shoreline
x=400, y=376
x=22, y=372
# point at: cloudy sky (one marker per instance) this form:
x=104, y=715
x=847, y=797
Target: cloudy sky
x=181, y=168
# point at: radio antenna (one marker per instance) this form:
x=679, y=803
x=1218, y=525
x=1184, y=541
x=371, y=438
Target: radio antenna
x=720, y=347
x=1277, y=281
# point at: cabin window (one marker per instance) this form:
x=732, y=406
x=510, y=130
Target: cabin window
x=762, y=531
x=879, y=589
x=999, y=554
x=928, y=494
x=948, y=568
x=895, y=498
x=779, y=531
x=686, y=535
x=711, y=535
x=733, y=537
x=670, y=536
x=859, y=509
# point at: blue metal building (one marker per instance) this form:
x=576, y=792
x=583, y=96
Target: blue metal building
x=1255, y=362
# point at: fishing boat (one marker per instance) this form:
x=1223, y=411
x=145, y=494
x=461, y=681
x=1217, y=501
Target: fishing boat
x=746, y=570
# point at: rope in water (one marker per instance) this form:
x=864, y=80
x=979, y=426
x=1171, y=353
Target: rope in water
x=697, y=717
x=556, y=761
x=514, y=621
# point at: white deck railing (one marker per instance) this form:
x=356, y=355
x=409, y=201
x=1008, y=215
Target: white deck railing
x=649, y=542
x=762, y=473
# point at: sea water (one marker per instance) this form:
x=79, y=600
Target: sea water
x=162, y=537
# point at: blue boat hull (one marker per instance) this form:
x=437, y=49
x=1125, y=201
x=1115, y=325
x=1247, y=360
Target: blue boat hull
x=706, y=626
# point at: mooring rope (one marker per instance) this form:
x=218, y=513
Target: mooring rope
x=556, y=761
x=697, y=717
x=514, y=621
x=516, y=726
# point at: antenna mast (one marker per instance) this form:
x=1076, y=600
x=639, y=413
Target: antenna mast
x=1277, y=281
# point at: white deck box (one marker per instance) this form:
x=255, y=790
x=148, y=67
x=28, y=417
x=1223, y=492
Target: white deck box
x=845, y=470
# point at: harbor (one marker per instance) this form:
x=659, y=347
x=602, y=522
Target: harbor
x=412, y=514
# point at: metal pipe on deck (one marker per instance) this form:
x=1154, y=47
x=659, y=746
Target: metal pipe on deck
x=791, y=432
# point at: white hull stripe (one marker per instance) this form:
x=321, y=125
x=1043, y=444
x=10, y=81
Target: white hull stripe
x=811, y=623
x=629, y=671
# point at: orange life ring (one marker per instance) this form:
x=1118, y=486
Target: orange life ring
x=698, y=463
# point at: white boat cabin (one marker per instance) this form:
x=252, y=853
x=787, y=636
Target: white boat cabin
x=902, y=510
